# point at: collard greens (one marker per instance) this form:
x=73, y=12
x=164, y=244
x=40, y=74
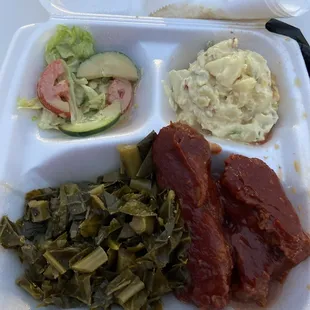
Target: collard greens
x=116, y=241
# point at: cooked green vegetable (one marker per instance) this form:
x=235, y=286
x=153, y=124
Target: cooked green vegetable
x=146, y=168
x=90, y=226
x=116, y=241
x=59, y=259
x=145, y=144
x=98, y=190
x=138, y=301
x=125, y=259
x=137, y=208
x=39, y=210
x=80, y=288
x=141, y=184
x=128, y=292
x=130, y=158
x=105, y=231
x=113, y=244
x=136, y=248
x=51, y=273
x=9, y=235
x=30, y=287
x=92, y=261
x=143, y=224
x=126, y=232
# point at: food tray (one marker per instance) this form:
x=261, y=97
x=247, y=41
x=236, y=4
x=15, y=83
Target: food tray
x=31, y=158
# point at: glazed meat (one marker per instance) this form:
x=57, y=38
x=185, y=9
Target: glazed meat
x=256, y=263
x=254, y=274
x=182, y=160
x=257, y=230
x=262, y=201
x=264, y=229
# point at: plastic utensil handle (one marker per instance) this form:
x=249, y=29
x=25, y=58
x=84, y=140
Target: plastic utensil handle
x=279, y=27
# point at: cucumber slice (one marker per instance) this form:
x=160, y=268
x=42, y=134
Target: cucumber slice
x=101, y=121
x=108, y=64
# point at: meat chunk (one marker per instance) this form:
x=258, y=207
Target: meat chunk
x=182, y=160
x=210, y=262
x=254, y=274
x=256, y=263
x=265, y=232
x=261, y=201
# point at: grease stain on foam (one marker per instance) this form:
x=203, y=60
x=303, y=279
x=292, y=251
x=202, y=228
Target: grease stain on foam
x=215, y=148
x=157, y=62
x=293, y=190
x=304, y=115
x=287, y=39
x=6, y=186
x=299, y=208
x=308, y=287
x=10, y=197
x=280, y=173
x=297, y=166
x=297, y=82
x=276, y=146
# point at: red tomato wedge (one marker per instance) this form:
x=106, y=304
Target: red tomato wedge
x=121, y=90
x=54, y=91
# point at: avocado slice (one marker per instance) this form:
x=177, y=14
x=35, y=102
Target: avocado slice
x=108, y=64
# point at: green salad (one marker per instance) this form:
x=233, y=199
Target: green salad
x=81, y=92
x=116, y=241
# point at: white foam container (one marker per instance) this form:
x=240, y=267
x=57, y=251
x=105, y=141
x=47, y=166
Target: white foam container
x=31, y=158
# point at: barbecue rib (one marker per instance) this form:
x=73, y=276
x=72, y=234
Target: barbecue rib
x=182, y=160
x=264, y=229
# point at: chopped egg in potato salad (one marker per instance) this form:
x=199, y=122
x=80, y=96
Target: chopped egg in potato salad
x=229, y=92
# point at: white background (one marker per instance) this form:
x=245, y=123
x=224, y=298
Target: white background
x=17, y=13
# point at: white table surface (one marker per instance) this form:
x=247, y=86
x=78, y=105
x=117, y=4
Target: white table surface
x=16, y=13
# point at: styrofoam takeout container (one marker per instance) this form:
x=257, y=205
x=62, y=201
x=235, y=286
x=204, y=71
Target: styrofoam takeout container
x=31, y=158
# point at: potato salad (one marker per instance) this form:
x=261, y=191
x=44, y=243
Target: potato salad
x=228, y=92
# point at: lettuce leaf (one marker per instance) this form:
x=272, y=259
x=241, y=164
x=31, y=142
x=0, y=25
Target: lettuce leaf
x=78, y=81
x=32, y=104
x=49, y=120
x=98, y=102
x=90, y=93
x=103, y=85
x=73, y=45
x=95, y=101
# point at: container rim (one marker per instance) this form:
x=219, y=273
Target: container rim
x=74, y=9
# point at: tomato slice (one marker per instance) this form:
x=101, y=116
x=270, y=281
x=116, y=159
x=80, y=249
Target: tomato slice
x=54, y=90
x=121, y=90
